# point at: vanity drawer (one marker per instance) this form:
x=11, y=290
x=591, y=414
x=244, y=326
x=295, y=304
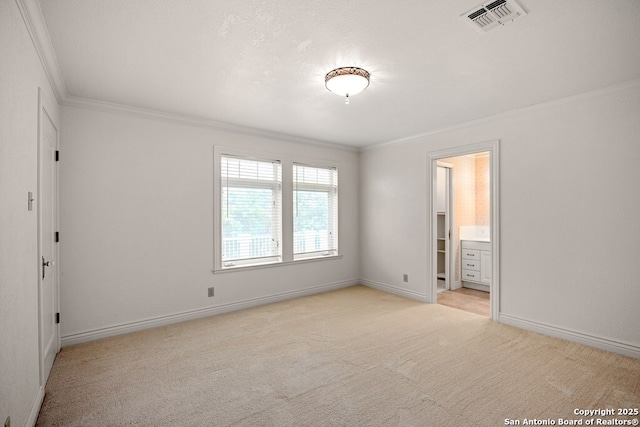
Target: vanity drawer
x=471, y=275
x=471, y=264
x=470, y=254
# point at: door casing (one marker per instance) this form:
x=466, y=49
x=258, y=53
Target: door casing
x=493, y=147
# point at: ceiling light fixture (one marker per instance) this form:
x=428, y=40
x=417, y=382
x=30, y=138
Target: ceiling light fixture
x=347, y=81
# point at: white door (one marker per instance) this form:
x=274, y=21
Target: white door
x=48, y=254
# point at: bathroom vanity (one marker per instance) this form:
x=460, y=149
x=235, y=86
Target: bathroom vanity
x=475, y=263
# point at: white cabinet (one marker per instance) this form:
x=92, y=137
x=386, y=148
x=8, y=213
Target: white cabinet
x=476, y=261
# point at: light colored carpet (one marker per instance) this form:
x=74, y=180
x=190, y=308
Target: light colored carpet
x=352, y=357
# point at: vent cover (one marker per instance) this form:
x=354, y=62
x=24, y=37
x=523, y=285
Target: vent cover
x=488, y=16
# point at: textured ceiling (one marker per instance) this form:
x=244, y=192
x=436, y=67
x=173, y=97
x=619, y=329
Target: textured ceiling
x=261, y=64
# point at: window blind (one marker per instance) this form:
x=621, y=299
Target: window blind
x=315, y=211
x=251, y=211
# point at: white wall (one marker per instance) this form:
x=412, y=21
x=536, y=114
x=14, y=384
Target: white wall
x=136, y=209
x=21, y=74
x=569, y=214
x=137, y=215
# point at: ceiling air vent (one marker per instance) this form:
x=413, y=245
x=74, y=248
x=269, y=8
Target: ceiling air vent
x=488, y=16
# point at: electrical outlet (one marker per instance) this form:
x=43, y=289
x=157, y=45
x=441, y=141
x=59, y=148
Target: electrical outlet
x=405, y=277
x=7, y=422
x=211, y=293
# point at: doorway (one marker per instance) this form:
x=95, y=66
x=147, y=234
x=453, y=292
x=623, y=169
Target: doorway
x=468, y=178
x=47, y=202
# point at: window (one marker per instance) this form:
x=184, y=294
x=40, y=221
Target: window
x=315, y=211
x=251, y=211
x=272, y=209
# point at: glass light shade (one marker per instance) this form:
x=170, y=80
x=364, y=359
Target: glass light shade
x=347, y=81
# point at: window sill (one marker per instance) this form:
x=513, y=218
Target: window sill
x=274, y=264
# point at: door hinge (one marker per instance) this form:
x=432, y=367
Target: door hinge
x=57, y=237
x=57, y=155
x=57, y=318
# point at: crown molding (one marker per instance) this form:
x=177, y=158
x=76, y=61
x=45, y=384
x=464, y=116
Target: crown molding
x=37, y=28
x=618, y=87
x=87, y=103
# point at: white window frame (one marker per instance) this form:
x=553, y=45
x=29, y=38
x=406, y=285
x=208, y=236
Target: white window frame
x=333, y=207
x=286, y=242
x=276, y=188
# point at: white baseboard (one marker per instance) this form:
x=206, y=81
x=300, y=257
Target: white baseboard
x=155, y=322
x=35, y=408
x=394, y=290
x=573, y=336
x=554, y=331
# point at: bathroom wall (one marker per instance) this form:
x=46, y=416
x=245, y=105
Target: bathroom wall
x=483, y=193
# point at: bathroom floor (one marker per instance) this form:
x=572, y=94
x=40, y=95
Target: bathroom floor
x=466, y=299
